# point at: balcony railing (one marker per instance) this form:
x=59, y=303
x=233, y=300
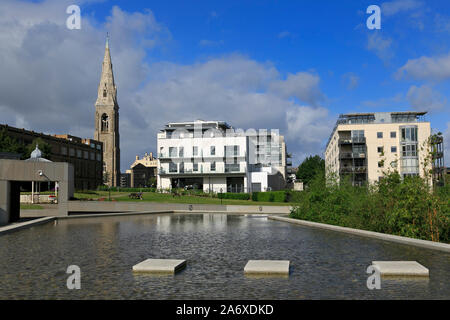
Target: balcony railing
x=353, y=140
x=359, y=169
x=202, y=171
x=352, y=155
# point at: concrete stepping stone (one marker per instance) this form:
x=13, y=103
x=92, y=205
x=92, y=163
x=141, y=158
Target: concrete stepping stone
x=267, y=267
x=401, y=268
x=160, y=266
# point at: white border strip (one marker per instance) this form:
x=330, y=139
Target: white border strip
x=370, y=234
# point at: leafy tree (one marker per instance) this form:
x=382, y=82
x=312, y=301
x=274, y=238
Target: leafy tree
x=9, y=144
x=309, y=168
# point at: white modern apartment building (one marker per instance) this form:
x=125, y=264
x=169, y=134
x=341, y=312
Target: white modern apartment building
x=213, y=157
x=364, y=145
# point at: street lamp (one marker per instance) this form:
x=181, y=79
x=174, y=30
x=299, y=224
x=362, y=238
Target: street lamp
x=221, y=196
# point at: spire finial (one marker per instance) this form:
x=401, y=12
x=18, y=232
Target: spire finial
x=107, y=39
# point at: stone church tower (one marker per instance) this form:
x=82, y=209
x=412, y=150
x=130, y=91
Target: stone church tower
x=107, y=122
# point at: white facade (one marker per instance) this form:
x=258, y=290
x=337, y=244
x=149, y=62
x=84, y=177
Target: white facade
x=211, y=156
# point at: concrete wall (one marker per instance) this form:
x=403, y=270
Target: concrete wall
x=15, y=170
x=112, y=206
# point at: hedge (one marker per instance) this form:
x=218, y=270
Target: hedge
x=114, y=189
x=270, y=196
x=235, y=196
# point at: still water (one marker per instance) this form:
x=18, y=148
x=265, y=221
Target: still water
x=324, y=264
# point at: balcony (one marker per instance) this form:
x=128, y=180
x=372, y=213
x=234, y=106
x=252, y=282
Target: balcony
x=354, y=140
x=203, y=171
x=359, y=169
x=352, y=155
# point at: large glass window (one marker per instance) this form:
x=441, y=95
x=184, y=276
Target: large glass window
x=409, y=150
x=213, y=150
x=173, y=167
x=172, y=152
x=409, y=134
x=213, y=166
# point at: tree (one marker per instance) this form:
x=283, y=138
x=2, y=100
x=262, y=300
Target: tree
x=309, y=168
x=9, y=144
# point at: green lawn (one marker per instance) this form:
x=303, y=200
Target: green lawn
x=30, y=206
x=169, y=198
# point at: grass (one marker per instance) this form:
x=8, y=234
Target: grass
x=30, y=206
x=168, y=198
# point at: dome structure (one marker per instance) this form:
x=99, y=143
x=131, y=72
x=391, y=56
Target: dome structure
x=36, y=156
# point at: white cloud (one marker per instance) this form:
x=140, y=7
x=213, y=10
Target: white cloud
x=380, y=45
x=424, y=98
x=50, y=76
x=303, y=85
x=426, y=68
x=393, y=7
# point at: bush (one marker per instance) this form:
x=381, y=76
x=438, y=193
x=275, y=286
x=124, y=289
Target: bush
x=270, y=196
x=234, y=196
x=405, y=207
x=115, y=189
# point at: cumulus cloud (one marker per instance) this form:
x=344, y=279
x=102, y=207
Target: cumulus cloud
x=426, y=68
x=50, y=76
x=303, y=85
x=424, y=98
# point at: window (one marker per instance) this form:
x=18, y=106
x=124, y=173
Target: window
x=86, y=155
x=409, y=150
x=92, y=156
x=173, y=167
x=195, y=167
x=380, y=164
x=105, y=123
x=72, y=152
x=379, y=135
x=380, y=149
x=393, y=134
x=181, y=153
x=173, y=152
x=213, y=150
x=79, y=153
x=104, y=93
x=99, y=157
x=213, y=166
x=393, y=149
x=195, y=151
x=64, y=150
x=409, y=134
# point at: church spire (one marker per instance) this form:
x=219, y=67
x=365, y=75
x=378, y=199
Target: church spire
x=107, y=91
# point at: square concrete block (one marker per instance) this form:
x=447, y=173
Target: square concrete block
x=160, y=266
x=267, y=267
x=401, y=268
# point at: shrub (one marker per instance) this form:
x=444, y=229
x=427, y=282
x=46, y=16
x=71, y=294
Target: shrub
x=405, y=207
x=270, y=196
x=234, y=196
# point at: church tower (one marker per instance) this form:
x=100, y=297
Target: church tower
x=107, y=122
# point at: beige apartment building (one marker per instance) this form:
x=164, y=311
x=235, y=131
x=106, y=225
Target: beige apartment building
x=364, y=145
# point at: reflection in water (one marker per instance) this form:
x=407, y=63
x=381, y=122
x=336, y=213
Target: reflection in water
x=324, y=264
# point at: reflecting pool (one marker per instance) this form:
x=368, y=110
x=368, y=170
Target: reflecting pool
x=324, y=264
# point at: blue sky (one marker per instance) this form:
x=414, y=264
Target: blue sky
x=304, y=61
